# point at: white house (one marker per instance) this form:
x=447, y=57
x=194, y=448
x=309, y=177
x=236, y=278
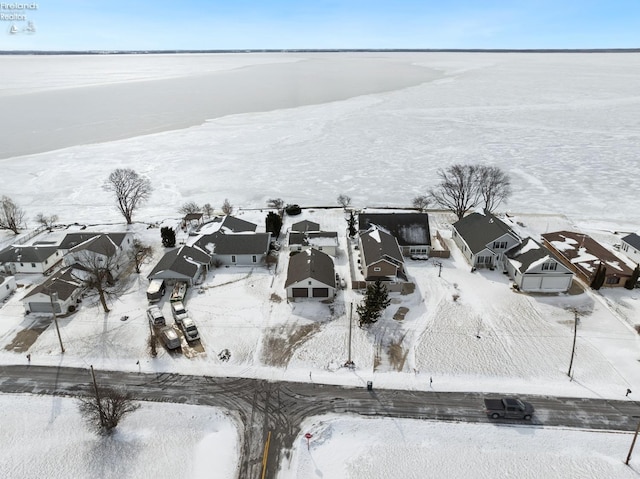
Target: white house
x=535, y=269
x=239, y=249
x=483, y=239
x=7, y=286
x=64, y=284
x=311, y=274
x=29, y=259
x=630, y=246
x=325, y=241
x=103, y=247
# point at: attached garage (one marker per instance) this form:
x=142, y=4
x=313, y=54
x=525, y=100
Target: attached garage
x=320, y=292
x=300, y=292
x=42, y=307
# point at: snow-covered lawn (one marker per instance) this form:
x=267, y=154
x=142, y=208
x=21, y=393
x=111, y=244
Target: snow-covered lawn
x=355, y=448
x=46, y=437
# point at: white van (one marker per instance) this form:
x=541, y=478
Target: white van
x=170, y=337
x=156, y=290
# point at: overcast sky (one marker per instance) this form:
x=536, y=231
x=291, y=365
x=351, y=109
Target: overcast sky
x=257, y=24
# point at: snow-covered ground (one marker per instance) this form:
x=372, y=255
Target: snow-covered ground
x=563, y=126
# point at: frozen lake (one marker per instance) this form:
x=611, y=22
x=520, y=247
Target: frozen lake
x=307, y=127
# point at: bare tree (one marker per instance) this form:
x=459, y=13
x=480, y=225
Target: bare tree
x=494, y=185
x=99, y=271
x=189, y=207
x=140, y=253
x=421, y=203
x=104, y=411
x=47, y=221
x=11, y=215
x=227, y=207
x=207, y=209
x=130, y=189
x=458, y=189
x=277, y=203
x=344, y=200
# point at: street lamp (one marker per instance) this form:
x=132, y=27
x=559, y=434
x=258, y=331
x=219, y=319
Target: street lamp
x=54, y=299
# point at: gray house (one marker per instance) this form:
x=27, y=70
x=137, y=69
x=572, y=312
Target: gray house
x=411, y=230
x=242, y=249
x=103, y=247
x=311, y=274
x=72, y=240
x=484, y=239
x=187, y=263
x=380, y=256
x=231, y=223
x=535, y=269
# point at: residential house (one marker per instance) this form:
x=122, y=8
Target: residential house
x=241, y=249
x=186, y=263
x=411, y=230
x=234, y=224
x=583, y=255
x=63, y=286
x=535, y=269
x=380, y=256
x=325, y=241
x=484, y=239
x=29, y=259
x=103, y=248
x=71, y=240
x=304, y=226
x=7, y=286
x=630, y=246
x=311, y=274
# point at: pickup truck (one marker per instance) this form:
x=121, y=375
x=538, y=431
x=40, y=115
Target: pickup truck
x=508, y=408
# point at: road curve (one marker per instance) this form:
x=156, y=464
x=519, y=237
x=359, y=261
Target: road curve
x=262, y=406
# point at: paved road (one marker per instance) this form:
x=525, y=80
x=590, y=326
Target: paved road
x=280, y=407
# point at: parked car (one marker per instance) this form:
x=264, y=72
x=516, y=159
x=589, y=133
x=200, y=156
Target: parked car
x=178, y=311
x=179, y=291
x=189, y=329
x=170, y=337
x=156, y=318
x=156, y=290
x=508, y=408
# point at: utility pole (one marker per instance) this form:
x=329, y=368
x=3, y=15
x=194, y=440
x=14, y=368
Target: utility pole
x=633, y=443
x=95, y=388
x=349, y=362
x=439, y=265
x=575, y=334
x=54, y=299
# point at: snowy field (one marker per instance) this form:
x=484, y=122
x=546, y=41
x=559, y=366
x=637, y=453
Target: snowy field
x=351, y=448
x=45, y=437
x=564, y=126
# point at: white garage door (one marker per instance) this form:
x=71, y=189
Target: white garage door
x=556, y=283
x=531, y=283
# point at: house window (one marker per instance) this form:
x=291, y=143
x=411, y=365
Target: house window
x=33, y=265
x=417, y=250
x=377, y=268
x=7, y=286
x=233, y=258
x=613, y=280
x=499, y=245
x=21, y=264
x=254, y=258
x=549, y=266
x=483, y=260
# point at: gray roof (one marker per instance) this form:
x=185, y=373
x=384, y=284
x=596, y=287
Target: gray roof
x=410, y=229
x=312, y=237
x=26, y=254
x=533, y=251
x=185, y=260
x=101, y=244
x=632, y=240
x=311, y=264
x=235, y=224
x=63, y=282
x=478, y=230
x=305, y=225
x=219, y=243
x=378, y=244
x=74, y=239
